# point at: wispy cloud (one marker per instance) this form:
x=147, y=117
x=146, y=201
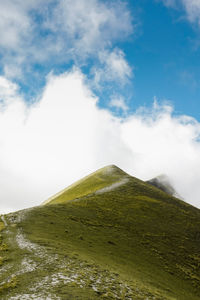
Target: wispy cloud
x=169, y=3
x=64, y=136
x=7, y=89
x=119, y=104
x=90, y=25
x=18, y=31
x=15, y=23
x=191, y=7
x=42, y=32
x=113, y=67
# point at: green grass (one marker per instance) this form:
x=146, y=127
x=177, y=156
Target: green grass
x=1, y=245
x=2, y=226
x=6, y=285
x=133, y=242
x=89, y=184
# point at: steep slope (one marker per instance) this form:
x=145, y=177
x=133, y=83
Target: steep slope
x=108, y=177
x=121, y=241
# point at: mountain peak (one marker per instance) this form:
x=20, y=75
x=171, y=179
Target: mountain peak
x=100, y=180
x=163, y=183
x=111, y=170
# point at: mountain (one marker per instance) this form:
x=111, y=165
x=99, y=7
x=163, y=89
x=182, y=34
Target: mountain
x=108, y=236
x=163, y=183
x=102, y=180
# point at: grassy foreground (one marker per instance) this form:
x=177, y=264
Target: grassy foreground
x=111, y=236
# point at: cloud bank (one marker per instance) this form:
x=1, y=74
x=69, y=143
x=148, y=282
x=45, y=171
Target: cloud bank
x=65, y=135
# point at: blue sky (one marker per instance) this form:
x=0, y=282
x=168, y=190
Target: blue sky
x=87, y=83
x=165, y=55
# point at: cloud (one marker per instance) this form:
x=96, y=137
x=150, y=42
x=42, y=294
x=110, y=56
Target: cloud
x=169, y=3
x=7, y=89
x=191, y=7
x=39, y=144
x=42, y=31
x=65, y=135
x=91, y=25
x=119, y=104
x=19, y=31
x=113, y=67
x=163, y=143
x=15, y=23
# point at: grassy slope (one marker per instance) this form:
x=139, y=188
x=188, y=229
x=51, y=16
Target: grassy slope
x=143, y=242
x=89, y=184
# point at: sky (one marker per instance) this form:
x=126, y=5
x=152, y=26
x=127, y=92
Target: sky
x=88, y=83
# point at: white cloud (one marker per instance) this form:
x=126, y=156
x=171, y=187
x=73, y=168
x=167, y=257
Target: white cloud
x=65, y=136
x=14, y=23
x=191, y=7
x=18, y=31
x=7, y=88
x=114, y=67
x=59, y=31
x=166, y=144
x=119, y=103
x=91, y=25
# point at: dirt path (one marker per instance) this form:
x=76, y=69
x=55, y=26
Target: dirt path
x=43, y=272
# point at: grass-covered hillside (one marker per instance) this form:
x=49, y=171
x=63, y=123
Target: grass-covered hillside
x=110, y=236
x=106, y=178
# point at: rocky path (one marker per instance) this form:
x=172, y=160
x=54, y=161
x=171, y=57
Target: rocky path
x=41, y=274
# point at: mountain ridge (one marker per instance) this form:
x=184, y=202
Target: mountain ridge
x=129, y=242
x=108, y=174
x=104, y=179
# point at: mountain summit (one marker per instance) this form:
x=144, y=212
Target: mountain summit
x=107, y=236
x=103, y=179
